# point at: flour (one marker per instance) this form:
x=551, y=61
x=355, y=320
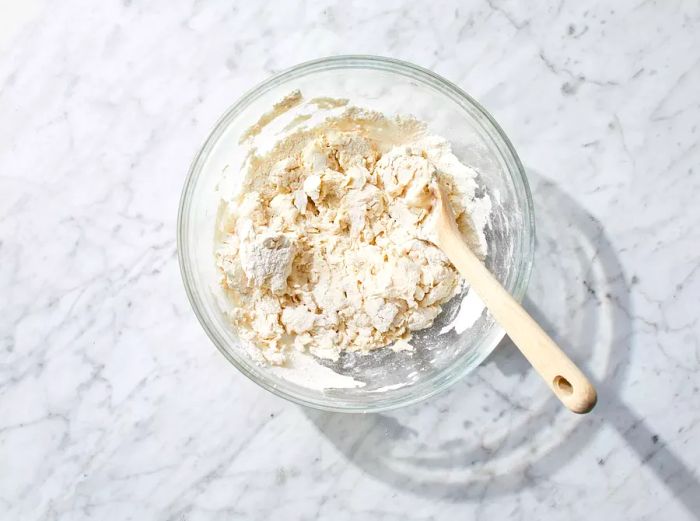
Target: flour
x=302, y=369
x=287, y=103
x=267, y=261
x=326, y=247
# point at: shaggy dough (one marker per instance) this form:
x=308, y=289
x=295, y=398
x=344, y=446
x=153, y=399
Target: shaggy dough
x=323, y=250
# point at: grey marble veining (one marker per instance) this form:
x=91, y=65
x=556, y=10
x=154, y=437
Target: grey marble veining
x=113, y=403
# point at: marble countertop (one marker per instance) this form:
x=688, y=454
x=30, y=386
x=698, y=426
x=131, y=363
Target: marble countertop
x=114, y=405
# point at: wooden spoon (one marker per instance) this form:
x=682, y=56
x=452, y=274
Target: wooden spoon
x=566, y=380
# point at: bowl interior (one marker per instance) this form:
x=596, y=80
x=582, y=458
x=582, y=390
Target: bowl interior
x=450, y=348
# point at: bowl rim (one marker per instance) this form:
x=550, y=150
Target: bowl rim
x=446, y=87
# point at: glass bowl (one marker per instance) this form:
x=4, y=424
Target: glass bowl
x=443, y=354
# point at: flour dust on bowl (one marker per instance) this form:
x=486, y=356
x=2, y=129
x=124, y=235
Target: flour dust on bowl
x=304, y=255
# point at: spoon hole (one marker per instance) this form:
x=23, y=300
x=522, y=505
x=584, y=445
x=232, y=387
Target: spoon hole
x=563, y=385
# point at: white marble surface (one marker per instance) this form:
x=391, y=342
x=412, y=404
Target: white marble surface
x=113, y=403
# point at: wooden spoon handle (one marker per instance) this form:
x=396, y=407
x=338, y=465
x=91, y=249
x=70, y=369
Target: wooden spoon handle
x=566, y=380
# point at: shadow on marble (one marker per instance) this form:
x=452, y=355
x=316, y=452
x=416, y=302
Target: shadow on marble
x=499, y=430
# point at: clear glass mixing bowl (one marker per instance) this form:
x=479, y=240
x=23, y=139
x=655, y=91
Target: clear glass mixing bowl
x=392, y=87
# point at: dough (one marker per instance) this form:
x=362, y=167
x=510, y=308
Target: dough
x=324, y=249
